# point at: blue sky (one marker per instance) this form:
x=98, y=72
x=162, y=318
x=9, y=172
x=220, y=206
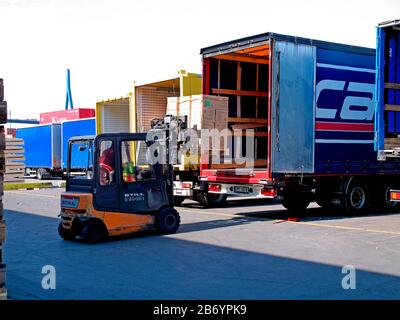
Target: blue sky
x=110, y=44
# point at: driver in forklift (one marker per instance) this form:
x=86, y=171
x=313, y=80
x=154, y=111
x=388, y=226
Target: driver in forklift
x=107, y=166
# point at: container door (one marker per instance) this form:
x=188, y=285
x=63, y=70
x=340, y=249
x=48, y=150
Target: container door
x=293, y=108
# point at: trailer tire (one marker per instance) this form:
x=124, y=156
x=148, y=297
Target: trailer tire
x=41, y=173
x=167, y=221
x=384, y=202
x=356, y=195
x=93, y=231
x=178, y=200
x=295, y=201
x=211, y=200
x=66, y=234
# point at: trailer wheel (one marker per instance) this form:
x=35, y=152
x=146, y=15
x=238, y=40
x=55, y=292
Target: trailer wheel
x=294, y=200
x=41, y=173
x=384, y=198
x=93, y=232
x=168, y=221
x=210, y=200
x=178, y=200
x=66, y=234
x=356, y=195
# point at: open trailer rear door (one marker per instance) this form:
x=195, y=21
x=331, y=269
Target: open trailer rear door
x=293, y=108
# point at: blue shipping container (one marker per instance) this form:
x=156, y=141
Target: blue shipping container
x=42, y=146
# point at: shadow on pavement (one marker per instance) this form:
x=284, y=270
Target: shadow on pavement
x=314, y=214
x=168, y=267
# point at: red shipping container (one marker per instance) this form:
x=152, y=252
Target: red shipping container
x=63, y=115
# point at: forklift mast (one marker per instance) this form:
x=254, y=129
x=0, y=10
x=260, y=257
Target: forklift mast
x=169, y=133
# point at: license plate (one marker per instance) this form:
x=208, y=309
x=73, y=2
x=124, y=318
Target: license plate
x=241, y=189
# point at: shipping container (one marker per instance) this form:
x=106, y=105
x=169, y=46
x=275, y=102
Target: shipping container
x=42, y=149
x=387, y=109
x=148, y=100
x=64, y=115
x=311, y=105
x=73, y=128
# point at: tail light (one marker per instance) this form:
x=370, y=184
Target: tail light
x=269, y=192
x=214, y=187
x=394, y=195
x=186, y=185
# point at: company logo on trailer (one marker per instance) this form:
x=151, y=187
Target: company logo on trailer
x=365, y=110
x=344, y=104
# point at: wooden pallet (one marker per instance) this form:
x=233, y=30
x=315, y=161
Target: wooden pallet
x=14, y=160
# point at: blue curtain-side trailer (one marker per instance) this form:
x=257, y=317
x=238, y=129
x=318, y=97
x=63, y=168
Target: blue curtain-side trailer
x=313, y=104
x=42, y=150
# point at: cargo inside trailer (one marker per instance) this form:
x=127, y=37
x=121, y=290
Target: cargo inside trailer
x=391, y=78
x=243, y=76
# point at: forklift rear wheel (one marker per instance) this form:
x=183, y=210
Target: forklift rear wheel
x=66, y=234
x=93, y=232
x=168, y=221
x=210, y=200
x=178, y=200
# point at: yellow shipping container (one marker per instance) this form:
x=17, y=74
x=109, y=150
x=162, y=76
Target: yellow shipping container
x=134, y=112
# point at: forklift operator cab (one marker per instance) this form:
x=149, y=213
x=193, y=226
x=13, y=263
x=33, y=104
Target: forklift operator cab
x=112, y=188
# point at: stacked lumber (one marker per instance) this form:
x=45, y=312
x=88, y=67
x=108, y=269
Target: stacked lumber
x=14, y=160
x=3, y=119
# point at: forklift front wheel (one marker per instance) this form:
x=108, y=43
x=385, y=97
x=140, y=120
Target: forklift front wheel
x=168, y=221
x=66, y=234
x=93, y=232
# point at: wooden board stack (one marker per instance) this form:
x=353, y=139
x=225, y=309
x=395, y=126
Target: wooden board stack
x=14, y=157
x=3, y=120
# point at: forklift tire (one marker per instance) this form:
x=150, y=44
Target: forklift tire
x=66, y=234
x=178, y=201
x=93, y=232
x=211, y=200
x=168, y=221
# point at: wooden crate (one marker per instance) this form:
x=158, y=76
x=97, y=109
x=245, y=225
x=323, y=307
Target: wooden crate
x=1, y=90
x=2, y=231
x=14, y=160
x=3, y=112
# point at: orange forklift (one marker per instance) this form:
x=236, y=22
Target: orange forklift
x=116, y=184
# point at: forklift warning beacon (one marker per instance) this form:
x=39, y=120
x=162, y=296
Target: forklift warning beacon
x=121, y=190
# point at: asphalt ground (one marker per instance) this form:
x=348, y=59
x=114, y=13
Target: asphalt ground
x=250, y=249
